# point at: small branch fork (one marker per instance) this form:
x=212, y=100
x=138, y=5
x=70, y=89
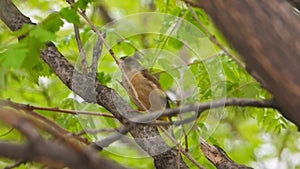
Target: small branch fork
x=94, y=28
x=97, y=48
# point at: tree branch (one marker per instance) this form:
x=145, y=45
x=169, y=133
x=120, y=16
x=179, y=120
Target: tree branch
x=55, y=155
x=52, y=153
x=218, y=157
x=201, y=107
x=15, y=165
x=47, y=124
x=53, y=109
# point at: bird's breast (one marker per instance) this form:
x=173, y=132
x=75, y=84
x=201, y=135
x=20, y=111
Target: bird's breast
x=145, y=94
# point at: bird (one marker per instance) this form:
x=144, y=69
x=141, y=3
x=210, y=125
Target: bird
x=142, y=87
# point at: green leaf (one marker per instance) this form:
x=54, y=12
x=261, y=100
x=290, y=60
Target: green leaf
x=42, y=35
x=82, y=4
x=14, y=56
x=103, y=78
x=175, y=43
x=25, y=29
x=165, y=63
x=230, y=75
x=68, y=103
x=70, y=15
x=52, y=23
x=111, y=122
x=127, y=49
x=33, y=57
x=166, y=81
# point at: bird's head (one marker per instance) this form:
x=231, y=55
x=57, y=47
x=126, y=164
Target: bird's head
x=130, y=64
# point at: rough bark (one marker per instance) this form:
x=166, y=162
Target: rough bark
x=53, y=153
x=218, y=157
x=267, y=37
x=92, y=91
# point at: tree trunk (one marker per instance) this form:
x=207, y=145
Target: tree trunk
x=267, y=35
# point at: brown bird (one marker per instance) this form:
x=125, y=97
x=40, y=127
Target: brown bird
x=142, y=87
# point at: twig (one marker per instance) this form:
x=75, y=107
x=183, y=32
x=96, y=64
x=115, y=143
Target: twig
x=159, y=50
x=185, y=135
x=185, y=121
x=53, y=109
x=81, y=50
x=44, y=122
x=17, y=164
x=74, y=112
x=190, y=64
x=89, y=131
x=99, y=145
x=56, y=130
x=100, y=35
x=79, y=43
x=7, y=132
x=213, y=39
x=130, y=44
x=20, y=122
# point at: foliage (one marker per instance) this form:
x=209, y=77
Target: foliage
x=192, y=69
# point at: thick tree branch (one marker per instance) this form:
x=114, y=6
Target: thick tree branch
x=267, y=36
x=201, y=107
x=92, y=91
x=52, y=153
